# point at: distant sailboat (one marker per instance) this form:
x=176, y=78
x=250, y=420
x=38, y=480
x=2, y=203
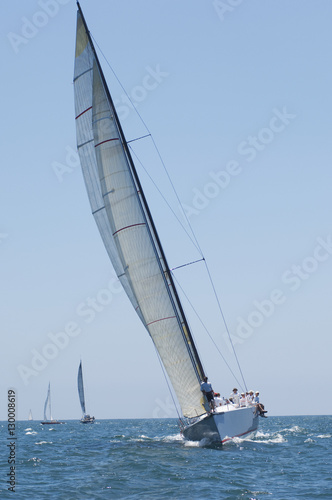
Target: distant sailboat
x=48, y=409
x=30, y=415
x=129, y=234
x=86, y=419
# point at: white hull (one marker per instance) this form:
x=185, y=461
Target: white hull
x=51, y=422
x=87, y=419
x=223, y=425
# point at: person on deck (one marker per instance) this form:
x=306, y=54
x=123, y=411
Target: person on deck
x=207, y=390
x=234, y=397
x=259, y=406
x=243, y=399
x=218, y=401
x=250, y=397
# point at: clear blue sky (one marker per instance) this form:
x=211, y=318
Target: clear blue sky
x=238, y=101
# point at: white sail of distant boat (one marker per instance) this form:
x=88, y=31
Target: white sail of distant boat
x=126, y=226
x=86, y=419
x=30, y=415
x=48, y=419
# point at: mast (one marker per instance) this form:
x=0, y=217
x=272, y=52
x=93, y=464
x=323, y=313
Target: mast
x=187, y=336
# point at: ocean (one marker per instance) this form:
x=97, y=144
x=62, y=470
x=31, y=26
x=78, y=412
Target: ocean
x=289, y=458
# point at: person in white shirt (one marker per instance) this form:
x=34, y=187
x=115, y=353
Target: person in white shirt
x=250, y=397
x=234, y=397
x=218, y=400
x=243, y=399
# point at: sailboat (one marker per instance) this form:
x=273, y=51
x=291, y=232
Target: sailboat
x=30, y=415
x=86, y=419
x=48, y=409
x=125, y=223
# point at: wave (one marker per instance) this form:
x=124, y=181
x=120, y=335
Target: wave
x=35, y=460
x=262, y=437
x=45, y=442
x=173, y=438
x=295, y=428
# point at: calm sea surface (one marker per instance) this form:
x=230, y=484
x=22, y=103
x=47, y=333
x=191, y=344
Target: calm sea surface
x=290, y=457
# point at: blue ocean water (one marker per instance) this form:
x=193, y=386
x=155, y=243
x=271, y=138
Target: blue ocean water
x=289, y=458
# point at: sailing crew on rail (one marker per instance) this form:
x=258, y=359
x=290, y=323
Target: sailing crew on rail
x=259, y=406
x=207, y=390
x=234, y=397
x=218, y=401
x=250, y=397
x=243, y=399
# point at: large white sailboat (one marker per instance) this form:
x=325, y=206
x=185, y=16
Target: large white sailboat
x=86, y=419
x=129, y=234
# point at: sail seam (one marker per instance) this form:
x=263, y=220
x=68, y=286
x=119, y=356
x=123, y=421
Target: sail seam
x=161, y=319
x=84, y=143
x=127, y=227
x=98, y=210
x=108, y=140
x=79, y=76
x=83, y=112
x=108, y=192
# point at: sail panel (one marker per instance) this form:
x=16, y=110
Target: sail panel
x=86, y=149
x=81, y=388
x=48, y=403
x=126, y=229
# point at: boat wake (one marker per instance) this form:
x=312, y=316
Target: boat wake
x=262, y=437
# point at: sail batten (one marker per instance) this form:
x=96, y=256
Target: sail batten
x=126, y=226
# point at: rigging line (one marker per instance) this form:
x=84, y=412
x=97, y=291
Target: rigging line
x=207, y=331
x=188, y=264
x=226, y=326
x=178, y=199
x=138, y=138
x=155, y=145
x=170, y=208
x=167, y=382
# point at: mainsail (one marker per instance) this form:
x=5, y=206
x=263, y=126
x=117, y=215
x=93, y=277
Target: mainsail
x=126, y=226
x=48, y=403
x=81, y=388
